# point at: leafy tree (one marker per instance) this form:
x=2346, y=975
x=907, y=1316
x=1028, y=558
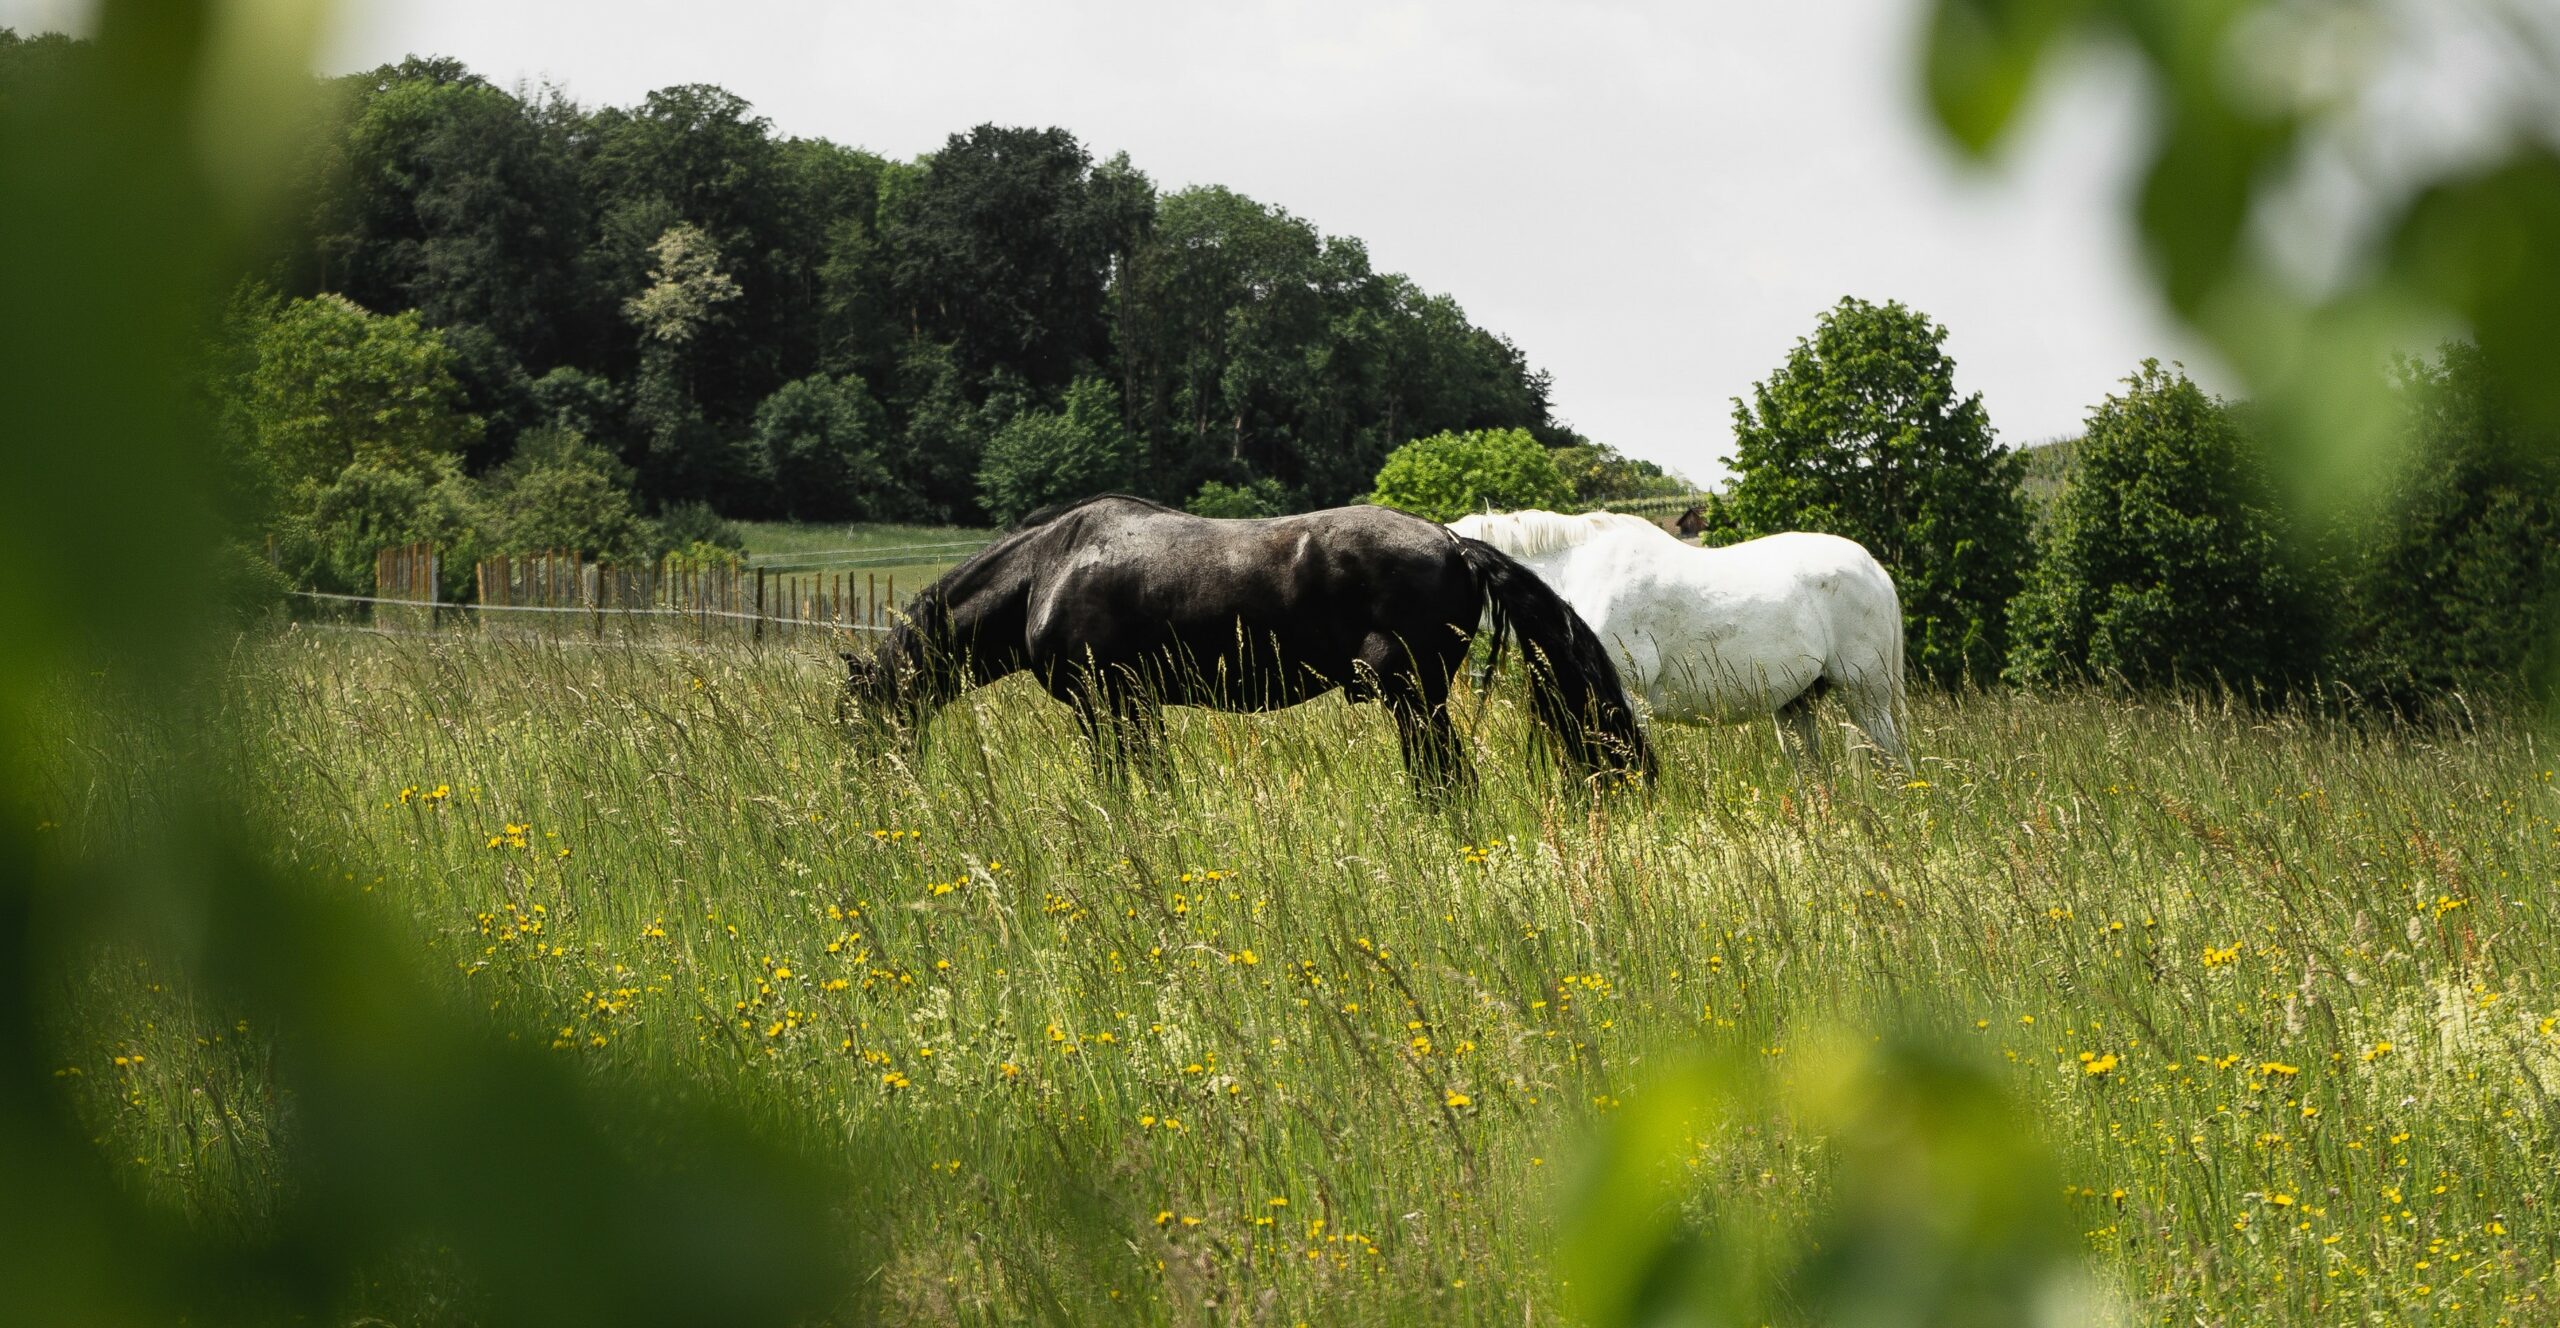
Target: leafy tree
x=1006, y=245
x=1252, y=342
x=825, y=439
x=945, y=437
x=332, y=385
x=685, y=291
x=694, y=525
x=1861, y=434
x=2164, y=560
x=1448, y=475
x=682, y=455
x=2452, y=579
x=1600, y=474
x=1262, y=497
x=374, y=503
x=1045, y=457
x=588, y=404
x=459, y=201
x=562, y=492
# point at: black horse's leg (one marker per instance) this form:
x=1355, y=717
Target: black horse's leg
x=1139, y=719
x=1434, y=759
x=1101, y=727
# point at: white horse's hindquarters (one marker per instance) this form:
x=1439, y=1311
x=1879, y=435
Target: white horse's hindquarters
x=1698, y=651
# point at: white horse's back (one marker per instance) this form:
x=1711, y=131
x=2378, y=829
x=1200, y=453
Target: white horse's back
x=1708, y=635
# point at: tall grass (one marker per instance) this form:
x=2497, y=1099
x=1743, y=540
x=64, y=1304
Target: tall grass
x=1277, y=1042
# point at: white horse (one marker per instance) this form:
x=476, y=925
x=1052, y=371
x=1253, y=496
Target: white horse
x=1703, y=635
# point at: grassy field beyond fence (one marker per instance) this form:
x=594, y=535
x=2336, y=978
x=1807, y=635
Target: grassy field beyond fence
x=2277, y=991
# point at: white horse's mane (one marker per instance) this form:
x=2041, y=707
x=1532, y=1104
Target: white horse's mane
x=1530, y=533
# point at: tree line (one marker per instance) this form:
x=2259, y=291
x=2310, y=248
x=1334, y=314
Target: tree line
x=708, y=315
x=2174, y=552
x=510, y=322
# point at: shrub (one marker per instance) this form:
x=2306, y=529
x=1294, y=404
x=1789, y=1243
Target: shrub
x=1448, y=475
x=1861, y=434
x=2165, y=555
x=562, y=492
x=1044, y=457
x=687, y=525
x=1256, y=498
x=2452, y=581
x=823, y=439
x=372, y=505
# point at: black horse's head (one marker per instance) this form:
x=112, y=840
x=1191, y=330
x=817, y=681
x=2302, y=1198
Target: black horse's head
x=876, y=687
x=895, y=687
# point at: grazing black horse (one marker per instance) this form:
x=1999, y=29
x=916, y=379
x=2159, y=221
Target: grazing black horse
x=1120, y=606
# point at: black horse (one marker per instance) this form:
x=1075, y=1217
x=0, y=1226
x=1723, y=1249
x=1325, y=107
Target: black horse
x=1120, y=606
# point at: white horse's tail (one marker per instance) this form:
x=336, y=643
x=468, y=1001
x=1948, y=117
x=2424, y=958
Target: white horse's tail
x=1896, y=720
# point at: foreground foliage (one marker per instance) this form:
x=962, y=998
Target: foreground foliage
x=2276, y=992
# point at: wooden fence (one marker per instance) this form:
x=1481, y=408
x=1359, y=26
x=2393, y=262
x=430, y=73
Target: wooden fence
x=562, y=593
x=406, y=576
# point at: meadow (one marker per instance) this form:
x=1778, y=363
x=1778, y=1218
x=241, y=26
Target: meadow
x=1275, y=1043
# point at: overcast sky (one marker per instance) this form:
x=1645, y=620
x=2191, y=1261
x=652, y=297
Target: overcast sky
x=1654, y=200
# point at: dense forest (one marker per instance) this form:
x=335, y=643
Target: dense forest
x=789, y=327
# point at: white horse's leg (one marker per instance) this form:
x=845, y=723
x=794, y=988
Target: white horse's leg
x=1871, y=709
x=1801, y=733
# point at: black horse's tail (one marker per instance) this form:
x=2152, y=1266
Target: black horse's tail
x=1573, y=684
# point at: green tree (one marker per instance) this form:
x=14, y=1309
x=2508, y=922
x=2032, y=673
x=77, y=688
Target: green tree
x=332, y=385
x=1448, y=475
x=1005, y=248
x=1600, y=474
x=1861, y=434
x=330, y=540
x=562, y=492
x=2451, y=579
x=458, y=200
x=1045, y=457
x=1262, y=497
x=2164, y=559
x=1253, y=342
x=825, y=439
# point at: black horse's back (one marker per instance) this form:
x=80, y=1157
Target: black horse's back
x=1119, y=605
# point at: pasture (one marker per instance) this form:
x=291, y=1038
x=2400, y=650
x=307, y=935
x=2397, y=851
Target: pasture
x=2276, y=991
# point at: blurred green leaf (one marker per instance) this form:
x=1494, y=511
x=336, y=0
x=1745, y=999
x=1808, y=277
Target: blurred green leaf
x=134, y=191
x=2488, y=247
x=1939, y=1204
x=1981, y=57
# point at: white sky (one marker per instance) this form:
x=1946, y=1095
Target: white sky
x=1653, y=199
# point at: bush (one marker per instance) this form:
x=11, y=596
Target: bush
x=689, y=525
x=1448, y=475
x=2164, y=559
x=372, y=505
x=1257, y=498
x=1600, y=474
x=1044, y=457
x=2453, y=581
x=562, y=492
x=1861, y=434
x=824, y=439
